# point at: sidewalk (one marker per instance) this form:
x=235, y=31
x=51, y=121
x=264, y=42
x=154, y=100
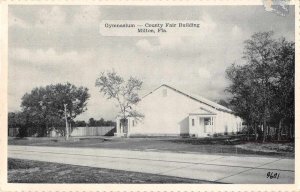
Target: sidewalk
x=217, y=168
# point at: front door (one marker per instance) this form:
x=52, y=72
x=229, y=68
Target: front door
x=124, y=125
x=207, y=125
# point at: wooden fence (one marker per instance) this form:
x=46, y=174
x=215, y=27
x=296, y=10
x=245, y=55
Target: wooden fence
x=93, y=131
x=76, y=132
x=88, y=131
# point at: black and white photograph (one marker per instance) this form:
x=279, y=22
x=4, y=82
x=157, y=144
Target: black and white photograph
x=160, y=94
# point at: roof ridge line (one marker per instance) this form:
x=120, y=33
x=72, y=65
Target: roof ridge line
x=192, y=97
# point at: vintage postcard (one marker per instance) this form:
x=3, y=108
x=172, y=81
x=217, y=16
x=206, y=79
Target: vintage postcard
x=149, y=95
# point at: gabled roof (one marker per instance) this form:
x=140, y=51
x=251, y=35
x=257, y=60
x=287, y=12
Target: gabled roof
x=202, y=111
x=196, y=98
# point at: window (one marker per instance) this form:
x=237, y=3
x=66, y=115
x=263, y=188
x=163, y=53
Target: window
x=132, y=123
x=199, y=120
x=193, y=122
x=165, y=92
x=208, y=121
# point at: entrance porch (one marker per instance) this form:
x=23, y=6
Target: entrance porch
x=123, y=126
x=202, y=124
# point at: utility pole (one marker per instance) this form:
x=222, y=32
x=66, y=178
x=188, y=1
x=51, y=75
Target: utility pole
x=67, y=127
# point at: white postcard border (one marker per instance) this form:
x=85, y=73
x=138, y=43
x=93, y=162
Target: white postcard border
x=4, y=186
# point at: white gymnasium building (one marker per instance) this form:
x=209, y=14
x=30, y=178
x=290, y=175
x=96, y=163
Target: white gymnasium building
x=170, y=112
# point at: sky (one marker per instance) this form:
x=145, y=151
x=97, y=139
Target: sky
x=59, y=44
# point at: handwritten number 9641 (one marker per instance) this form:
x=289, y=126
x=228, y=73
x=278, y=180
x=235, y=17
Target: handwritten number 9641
x=272, y=175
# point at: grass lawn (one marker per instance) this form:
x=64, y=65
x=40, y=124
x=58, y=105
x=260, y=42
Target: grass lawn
x=27, y=171
x=181, y=145
x=269, y=147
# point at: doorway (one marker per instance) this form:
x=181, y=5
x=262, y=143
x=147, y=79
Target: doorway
x=124, y=125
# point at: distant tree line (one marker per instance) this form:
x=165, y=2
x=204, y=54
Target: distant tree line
x=262, y=88
x=94, y=123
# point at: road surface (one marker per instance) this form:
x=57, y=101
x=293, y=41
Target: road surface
x=216, y=168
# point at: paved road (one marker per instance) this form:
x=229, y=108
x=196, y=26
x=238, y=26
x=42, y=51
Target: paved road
x=217, y=168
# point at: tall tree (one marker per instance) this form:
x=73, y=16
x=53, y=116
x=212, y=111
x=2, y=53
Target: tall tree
x=15, y=119
x=18, y=120
x=245, y=95
x=263, y=87
x=259, y=54
x=69, y=101
x=124, y=92
x=37, y=106
x=284, y=86
x=224, y=103
x=45, y=105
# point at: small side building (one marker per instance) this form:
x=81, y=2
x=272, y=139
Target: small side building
x=171, y=112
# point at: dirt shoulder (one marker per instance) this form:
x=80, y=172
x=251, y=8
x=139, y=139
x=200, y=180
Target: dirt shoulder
x=27, y=171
